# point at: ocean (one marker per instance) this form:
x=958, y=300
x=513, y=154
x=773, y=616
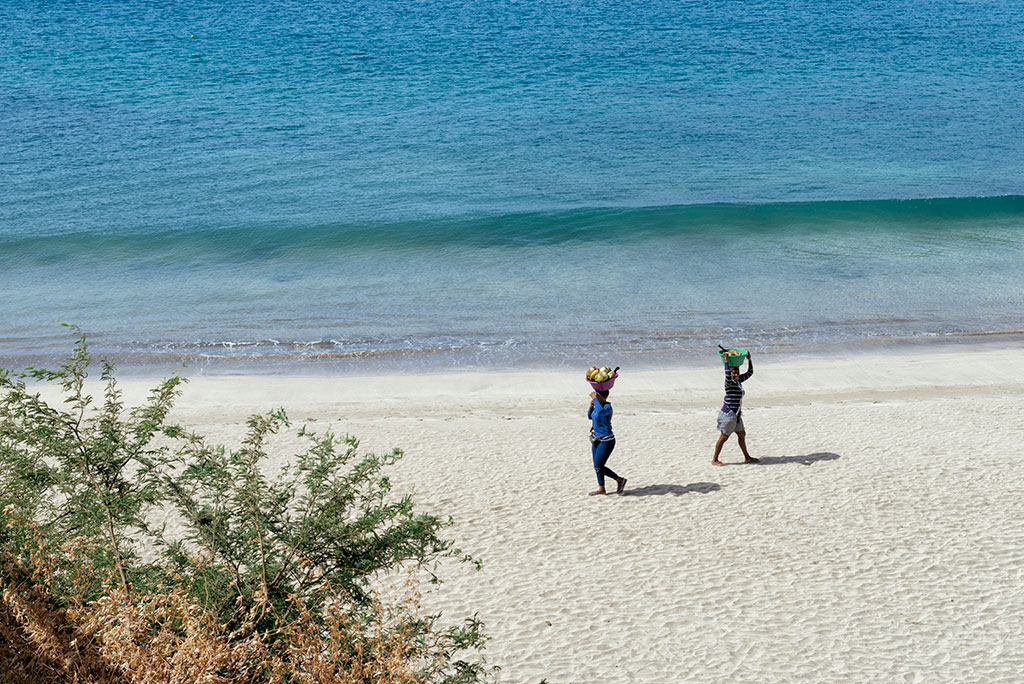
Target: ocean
x=394, y=186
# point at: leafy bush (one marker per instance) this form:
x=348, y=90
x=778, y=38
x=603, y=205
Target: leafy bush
x=269, y=579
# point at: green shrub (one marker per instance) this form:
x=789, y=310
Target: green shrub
x=269, y=576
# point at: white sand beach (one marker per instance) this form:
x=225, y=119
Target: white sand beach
x=880, y=538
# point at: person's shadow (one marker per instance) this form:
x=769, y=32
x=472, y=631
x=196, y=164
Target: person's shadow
x=802, y=460
x=673, y=489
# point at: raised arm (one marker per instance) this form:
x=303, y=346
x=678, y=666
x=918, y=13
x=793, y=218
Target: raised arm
x=750, y=368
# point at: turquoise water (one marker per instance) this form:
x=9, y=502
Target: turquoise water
x=381, y=185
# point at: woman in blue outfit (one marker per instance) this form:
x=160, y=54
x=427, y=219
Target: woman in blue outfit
x=602, y=441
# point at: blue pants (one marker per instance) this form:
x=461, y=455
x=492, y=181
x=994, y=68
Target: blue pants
x=601, y=451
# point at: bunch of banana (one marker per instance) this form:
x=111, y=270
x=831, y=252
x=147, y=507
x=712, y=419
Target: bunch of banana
x=601, y=374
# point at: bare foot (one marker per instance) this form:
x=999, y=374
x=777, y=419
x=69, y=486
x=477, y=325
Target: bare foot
x=598, y=492
x=716, y=462
x=751, y=459
x=622, y=485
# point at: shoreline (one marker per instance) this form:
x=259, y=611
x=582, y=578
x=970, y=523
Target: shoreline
x=918, y=372
x=283, y=365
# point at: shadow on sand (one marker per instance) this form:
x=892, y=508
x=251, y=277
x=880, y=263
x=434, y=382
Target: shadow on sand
x=802, y=460
x=674, y=490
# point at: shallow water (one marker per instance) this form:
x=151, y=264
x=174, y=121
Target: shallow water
x=386, y=186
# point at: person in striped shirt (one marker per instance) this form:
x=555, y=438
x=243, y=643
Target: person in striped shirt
x=730, y=417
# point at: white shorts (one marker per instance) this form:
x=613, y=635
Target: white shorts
x=729, y=422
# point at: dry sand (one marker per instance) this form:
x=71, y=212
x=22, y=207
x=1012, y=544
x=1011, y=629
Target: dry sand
x=880, y=539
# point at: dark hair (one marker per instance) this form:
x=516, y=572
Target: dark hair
x=603, y=394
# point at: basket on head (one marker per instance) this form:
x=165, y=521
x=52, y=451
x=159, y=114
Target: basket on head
x=733, y=360
x=604, y=386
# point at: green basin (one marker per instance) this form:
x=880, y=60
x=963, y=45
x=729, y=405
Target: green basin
x=734, y=360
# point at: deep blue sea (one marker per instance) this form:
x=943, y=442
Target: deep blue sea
x=379, y=186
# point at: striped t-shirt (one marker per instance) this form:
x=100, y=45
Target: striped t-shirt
x=734, y=390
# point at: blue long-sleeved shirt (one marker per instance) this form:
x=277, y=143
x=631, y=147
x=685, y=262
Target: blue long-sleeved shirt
x=734, y=390
x=601, y=421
